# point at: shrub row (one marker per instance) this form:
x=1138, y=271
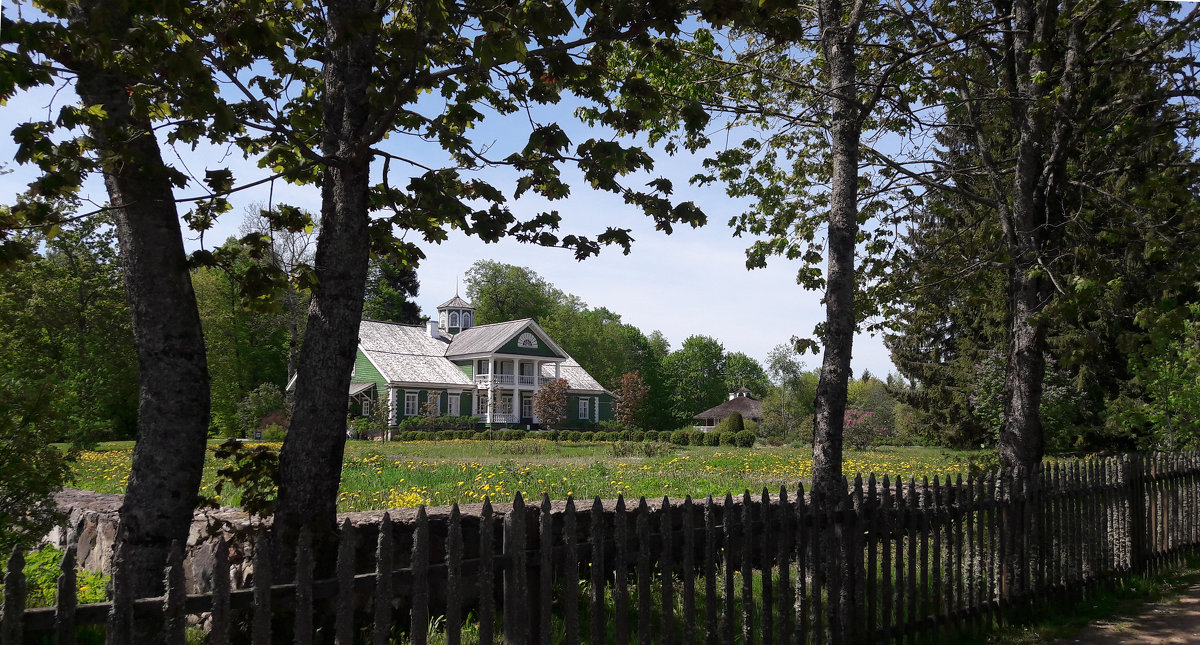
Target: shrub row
x=427, y=424
x=681, y=437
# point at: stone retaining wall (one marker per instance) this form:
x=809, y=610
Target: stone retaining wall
x=92, y=520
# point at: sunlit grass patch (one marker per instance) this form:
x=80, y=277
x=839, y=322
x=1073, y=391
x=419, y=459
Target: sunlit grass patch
x=407, y=474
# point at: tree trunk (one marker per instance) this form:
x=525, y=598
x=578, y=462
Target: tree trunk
x=1026, y=234
x=310, y=463
x=837, y=41
x=173, y=404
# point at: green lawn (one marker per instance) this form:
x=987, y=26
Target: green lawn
x=406, y=474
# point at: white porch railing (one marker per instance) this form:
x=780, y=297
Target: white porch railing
x=483, y=380
x=498, y=417
x=529, y=380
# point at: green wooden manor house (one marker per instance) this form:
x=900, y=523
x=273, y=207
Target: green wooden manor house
x=451, y=366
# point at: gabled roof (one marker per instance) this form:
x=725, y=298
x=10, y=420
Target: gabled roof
x=457, y=303
x=749, y=409
x=486, y=339
x=577, y=377
x=407, y=354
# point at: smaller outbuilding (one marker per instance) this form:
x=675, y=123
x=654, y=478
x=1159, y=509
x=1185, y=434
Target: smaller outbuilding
x=742, y=401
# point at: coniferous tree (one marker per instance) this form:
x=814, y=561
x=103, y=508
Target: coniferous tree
x=391, y=288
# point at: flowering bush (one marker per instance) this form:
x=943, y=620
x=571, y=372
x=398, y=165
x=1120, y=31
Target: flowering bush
x=860, y=430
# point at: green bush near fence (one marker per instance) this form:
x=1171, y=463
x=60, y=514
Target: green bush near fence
x=423, y=429
x=41, y=579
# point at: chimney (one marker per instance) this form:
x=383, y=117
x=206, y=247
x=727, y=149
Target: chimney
x=432, y=327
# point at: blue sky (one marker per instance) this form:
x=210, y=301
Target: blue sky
x=691, y=282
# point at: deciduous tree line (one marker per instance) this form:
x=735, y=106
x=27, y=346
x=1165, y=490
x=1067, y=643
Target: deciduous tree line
x=1059, y=128
x=683, y=382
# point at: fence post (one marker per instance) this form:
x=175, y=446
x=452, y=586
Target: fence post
x=382, y=621
x=11, y=623
x=419, y=618
x=261, y=622
x=344, y=622
x=597, y=524
x=120, y=615
x=64, y=614
x=174, y=596
x=516, y=597
x=1135, y=484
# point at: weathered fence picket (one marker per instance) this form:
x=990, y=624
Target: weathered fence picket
x=343, y=628
x=64, y=611
x=642, y=522
x=598, y=528
x=486, y=590
x=302, y=624
x=666, y=571
x=621, y=572
x=710, y=571
x=261, y=620
x=570, y=575
x=454, y=578
x=687, y=571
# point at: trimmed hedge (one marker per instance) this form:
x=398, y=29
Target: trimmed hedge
x=680, y=437
x=461, y=424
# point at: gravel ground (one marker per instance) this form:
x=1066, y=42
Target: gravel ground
x=1173, y=621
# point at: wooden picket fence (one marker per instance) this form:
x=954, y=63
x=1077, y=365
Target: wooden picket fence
x=892, y=561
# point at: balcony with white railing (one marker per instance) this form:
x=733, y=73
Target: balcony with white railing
x=483, y=381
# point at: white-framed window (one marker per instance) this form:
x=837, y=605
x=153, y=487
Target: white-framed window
x=453, y=318
x=506, y=403
x=527, y=407
x=466, y=320
x=452, y=404
x=483, y=367
x=583, y=409
x=481, y=405
x=366, y=407
x=410, y=404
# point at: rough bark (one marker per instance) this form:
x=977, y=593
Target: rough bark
x=1029, y=229
x=837, y=42
x=311, y=459
x=173, y=403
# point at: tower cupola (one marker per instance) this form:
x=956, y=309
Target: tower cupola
x=456, y=315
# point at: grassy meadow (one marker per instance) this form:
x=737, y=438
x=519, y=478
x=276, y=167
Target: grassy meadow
x=412, y=473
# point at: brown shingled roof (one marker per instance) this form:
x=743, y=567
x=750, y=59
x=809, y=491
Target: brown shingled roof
x=748, y=407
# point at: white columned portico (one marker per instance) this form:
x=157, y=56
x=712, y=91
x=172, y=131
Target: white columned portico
x=537, y=385
x=491, y=393
x=391, y=408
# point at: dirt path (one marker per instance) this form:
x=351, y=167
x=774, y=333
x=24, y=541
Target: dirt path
x=1173, y=621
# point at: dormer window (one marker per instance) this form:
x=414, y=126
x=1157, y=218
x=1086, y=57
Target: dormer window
x=466, y=320
x=453, y=318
